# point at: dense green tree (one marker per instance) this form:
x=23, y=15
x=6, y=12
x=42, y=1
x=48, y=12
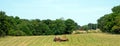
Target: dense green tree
x=4, y=25
x=110, y=22
x=40, y=28
x=50, y=25
x=15, y=26
x=70, y=26
x=35, y=26
x=59, y=27
x=25, y=26
x=116, y=9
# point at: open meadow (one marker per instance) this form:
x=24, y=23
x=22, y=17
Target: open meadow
x=90, y=39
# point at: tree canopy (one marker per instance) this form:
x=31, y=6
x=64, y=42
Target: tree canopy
x=15, y=26
x=89, y=26
x=110, y=22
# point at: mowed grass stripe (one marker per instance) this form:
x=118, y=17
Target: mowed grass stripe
x=2, y=41
x=45, y=41
x=16, y=41
x=38, y=41
x=28, y=41
x=9, y=42
x=35, y=40
x=41, y=41
x=74, y=40
x=49, y=41
x=25, y=41
x=19, y=41
x=32, y=40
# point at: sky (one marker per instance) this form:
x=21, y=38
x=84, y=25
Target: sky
x=81, y=11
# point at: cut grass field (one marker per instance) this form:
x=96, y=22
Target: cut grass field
x=90, y=39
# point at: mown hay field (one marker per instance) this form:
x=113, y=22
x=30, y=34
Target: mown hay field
x=90, y=39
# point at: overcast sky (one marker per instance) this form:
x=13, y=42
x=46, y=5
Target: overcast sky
x=81, y=11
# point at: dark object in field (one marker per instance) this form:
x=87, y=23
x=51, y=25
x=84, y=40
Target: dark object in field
x=56, y=38
x=60, y=39
x=63, y=39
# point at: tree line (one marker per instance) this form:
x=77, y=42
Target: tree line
x=15, y=26
x=89, y=26
x=110, y=22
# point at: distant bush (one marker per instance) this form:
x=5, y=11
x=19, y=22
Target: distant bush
x=94, y=31
x=79, y=32
x=115, y=29
x=16, y=33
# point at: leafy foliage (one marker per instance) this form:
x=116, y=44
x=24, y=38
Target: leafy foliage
x=89, y=26
x=15, y=26
x=110, y=22
x=4, y=25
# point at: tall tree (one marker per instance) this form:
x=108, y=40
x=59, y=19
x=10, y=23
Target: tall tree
x=110, y=22
x=4, y=25
x=70, y=26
